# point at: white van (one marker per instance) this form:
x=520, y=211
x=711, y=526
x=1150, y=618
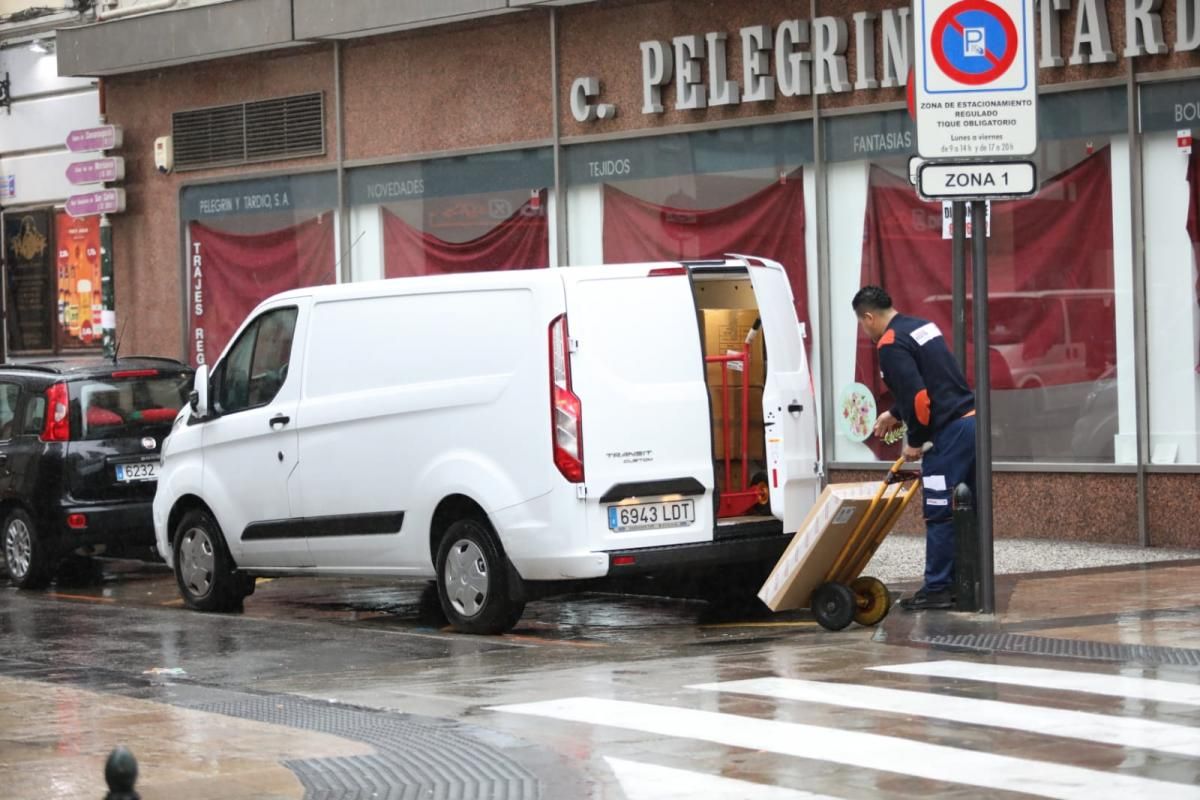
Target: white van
x=506, y=433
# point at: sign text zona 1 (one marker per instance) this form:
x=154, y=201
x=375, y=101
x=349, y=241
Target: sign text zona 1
x=963, y=181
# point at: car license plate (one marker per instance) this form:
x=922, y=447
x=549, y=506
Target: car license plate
x=142, y=471
x=647, y=516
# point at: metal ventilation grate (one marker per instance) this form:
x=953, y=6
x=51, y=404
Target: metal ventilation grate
x=264, y=130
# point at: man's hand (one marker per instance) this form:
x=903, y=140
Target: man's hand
x=885, y=423
x=912, y=454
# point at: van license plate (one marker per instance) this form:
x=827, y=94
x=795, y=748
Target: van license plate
x=132, y=473
x=647, y=516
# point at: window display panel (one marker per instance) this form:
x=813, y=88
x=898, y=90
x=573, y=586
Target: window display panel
x=249, y=240
x=1171, y=176
x=463, y=214
x=1056, y=305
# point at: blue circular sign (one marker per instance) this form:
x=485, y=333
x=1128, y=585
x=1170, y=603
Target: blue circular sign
x=974, y=42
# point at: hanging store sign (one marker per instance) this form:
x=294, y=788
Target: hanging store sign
x=99, y=170
x=90, y=140
x=105, y=201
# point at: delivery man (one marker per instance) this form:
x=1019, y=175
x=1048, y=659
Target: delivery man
x=934, y=401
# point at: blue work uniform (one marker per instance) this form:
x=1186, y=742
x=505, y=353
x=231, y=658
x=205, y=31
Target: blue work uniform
x=934, y=401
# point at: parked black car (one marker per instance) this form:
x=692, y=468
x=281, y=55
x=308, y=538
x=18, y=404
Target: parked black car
x=79, y=456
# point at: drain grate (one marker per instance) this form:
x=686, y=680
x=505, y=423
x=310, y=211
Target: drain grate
x=1065, y=648
x=415, y=756
x=422, y=757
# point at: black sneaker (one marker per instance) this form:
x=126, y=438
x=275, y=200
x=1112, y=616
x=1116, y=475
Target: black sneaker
x=923, y=600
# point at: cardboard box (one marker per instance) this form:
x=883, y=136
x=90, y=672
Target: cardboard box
x=757, y=446
x=725, y=332
x=807, y=560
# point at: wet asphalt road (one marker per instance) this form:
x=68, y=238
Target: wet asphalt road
x=610, y=696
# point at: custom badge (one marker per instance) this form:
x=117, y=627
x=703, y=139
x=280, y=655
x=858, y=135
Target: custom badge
x=149, y=443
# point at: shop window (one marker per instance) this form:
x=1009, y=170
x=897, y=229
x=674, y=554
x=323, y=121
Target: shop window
x=453, y=215
x=1171, y=176
x=53, y=282
x=1059, y=291
x=249, y=240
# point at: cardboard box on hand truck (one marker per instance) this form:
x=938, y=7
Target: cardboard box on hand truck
x=822, y=536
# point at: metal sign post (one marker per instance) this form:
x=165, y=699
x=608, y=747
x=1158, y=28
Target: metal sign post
x=983, y=412
x=958, y=302
x=976, y=108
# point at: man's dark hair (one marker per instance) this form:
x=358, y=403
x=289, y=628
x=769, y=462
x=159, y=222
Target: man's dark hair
x=871, y=298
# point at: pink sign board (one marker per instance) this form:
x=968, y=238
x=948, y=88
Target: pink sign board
x=106, y=201
x=87, y=140
x=100, y=170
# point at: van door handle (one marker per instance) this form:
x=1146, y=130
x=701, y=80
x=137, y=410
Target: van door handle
x=279, y=420
x=795, y=408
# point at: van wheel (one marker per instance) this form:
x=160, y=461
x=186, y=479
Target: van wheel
x=472, y=581
x=204, y=569
x=25, y=554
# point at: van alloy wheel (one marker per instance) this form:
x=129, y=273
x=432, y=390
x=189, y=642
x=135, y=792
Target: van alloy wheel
x=197, y=561
x=18, y=548
x=466, y=577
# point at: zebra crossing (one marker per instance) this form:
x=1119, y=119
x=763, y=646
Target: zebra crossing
x=1048, y=774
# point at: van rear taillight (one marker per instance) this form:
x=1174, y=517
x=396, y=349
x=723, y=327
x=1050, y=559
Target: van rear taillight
x=57, y=427
x=566, y=412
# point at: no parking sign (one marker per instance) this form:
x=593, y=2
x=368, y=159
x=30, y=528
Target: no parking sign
x=976, y=80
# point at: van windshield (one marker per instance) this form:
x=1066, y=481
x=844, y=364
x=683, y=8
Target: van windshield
x=118, y=406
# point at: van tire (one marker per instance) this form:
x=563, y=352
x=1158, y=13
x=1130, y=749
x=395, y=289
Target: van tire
x=204, y=570
x=29, y=562
x=473, y=582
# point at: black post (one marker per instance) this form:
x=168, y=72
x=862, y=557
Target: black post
x=958, y=307
x=983, y=407
x=966, y=550
x=120, y=773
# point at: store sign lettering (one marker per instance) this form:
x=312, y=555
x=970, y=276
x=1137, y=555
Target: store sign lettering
x=811, y=57
x=197, y=298
x=387, y=190
x=883, y=142
x=262, y=201
x=610, y=167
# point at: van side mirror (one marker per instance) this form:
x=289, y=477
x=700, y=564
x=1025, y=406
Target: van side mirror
x=198, y=399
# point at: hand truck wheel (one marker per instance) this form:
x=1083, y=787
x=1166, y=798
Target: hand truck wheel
x=872, y=600
x=834, y=605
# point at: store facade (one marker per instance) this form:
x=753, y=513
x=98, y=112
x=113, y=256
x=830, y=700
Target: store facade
x=647, y=129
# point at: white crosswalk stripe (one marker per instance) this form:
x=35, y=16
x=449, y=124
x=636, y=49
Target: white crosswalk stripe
x=861, y=750
x=642, y=781
x=1158, y=691
x=1105, y=728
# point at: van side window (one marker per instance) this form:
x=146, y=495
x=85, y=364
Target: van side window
x=256, y=367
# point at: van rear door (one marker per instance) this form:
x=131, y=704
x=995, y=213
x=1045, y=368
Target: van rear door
x=789, y=408
x=637, y=367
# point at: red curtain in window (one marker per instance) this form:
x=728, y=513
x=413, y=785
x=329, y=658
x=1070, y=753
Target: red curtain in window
x=1059, y=244
x=521, y=241
x=231, y=273
x=768, y=223
x=1193, y=217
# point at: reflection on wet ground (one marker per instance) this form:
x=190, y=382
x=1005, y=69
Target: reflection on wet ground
x=638, y=696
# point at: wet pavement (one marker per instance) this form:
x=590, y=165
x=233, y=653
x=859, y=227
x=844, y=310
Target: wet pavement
x=1085, y=683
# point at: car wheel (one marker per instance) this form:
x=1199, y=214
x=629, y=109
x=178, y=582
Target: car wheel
x=204, y=570
x=29, y=563
x=473, y=581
